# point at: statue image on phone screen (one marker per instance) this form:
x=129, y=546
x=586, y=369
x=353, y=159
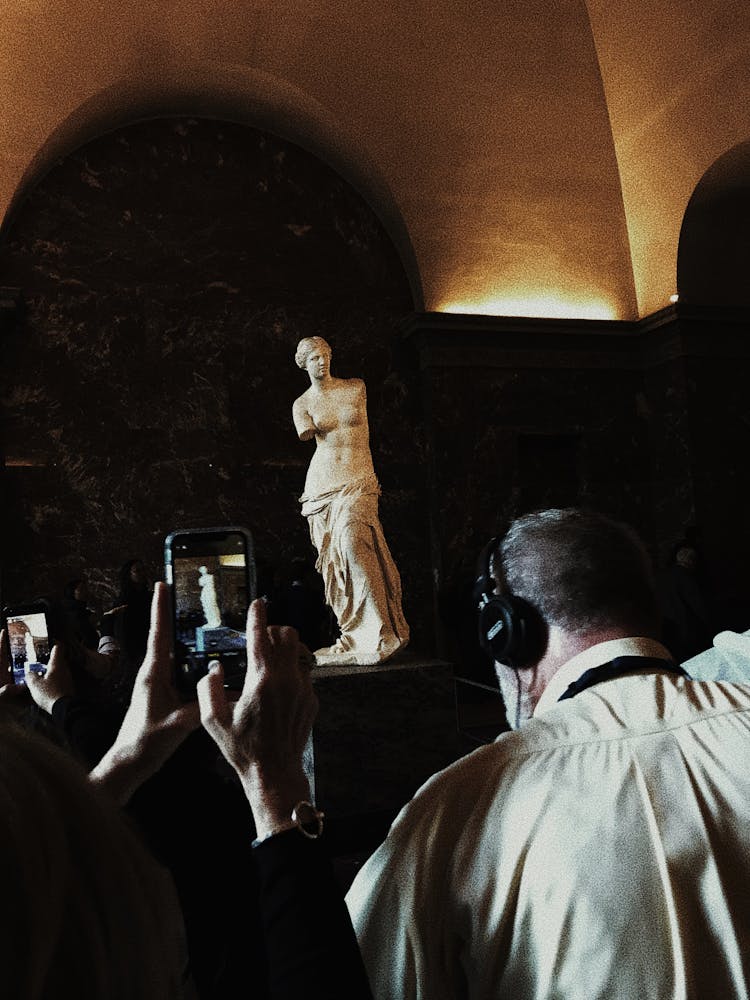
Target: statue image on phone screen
x=208, y=598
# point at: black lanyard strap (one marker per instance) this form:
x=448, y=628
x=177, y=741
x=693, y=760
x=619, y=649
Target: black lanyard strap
x=619, y=666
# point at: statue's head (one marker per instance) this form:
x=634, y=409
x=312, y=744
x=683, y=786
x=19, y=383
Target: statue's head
x=307, y=346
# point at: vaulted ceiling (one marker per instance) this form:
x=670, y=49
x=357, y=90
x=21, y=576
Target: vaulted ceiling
x=531, y=157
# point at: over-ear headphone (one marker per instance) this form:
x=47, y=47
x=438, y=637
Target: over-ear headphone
x=510, y=630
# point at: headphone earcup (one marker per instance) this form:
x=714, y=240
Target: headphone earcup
x=510, y=630
x=506, y=630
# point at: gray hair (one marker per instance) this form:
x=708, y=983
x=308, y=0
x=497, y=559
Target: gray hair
x=582, y=571
x=305, y=348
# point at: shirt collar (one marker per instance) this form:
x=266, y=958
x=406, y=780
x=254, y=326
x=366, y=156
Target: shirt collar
x=594, y=656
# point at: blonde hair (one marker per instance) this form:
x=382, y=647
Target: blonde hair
x=305, y=348
x=88, y=913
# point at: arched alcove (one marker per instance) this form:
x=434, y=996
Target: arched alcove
x=243, y=95
x=714, y=248
x=169, y=268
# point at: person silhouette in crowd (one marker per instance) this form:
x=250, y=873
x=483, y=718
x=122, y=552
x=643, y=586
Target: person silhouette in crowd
x=124, y=629
x=81, y=619
x=300, y=602
x=687, y=622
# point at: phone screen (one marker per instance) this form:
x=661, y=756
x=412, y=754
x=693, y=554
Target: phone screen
x=213, y=578
x=28, y=637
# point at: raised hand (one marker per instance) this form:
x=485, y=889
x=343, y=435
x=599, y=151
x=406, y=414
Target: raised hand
x=263, y=733
x=157, y=720
x=56, y=682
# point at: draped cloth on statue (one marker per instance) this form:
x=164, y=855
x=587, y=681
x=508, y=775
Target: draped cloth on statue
x=362, y=584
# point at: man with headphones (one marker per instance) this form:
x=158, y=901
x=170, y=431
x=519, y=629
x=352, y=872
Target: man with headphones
x=602, y=849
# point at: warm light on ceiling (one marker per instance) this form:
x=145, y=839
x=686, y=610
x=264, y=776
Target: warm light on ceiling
x=536, y=306
x=232, y=559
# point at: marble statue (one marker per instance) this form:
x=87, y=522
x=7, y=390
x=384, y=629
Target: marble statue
x=31, y=656
x=340, y=502
x=208, y=598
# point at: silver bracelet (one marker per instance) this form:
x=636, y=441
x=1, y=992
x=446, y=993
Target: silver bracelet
x=304, y=816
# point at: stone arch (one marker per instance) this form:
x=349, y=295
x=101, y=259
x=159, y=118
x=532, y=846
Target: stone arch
x=714, y=246
x=152, y=382
x=234, y=94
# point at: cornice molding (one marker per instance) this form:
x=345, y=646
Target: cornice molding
x=674, y=333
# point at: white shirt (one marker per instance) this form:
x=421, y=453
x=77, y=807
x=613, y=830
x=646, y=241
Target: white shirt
x=602, y=851
x=595, y=656
x=727, y=660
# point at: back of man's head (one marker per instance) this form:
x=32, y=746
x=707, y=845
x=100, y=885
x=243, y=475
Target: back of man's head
x=581, y=571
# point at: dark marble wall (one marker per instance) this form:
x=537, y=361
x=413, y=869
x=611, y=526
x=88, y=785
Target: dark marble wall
x=540, y=425
x=645, y=421
x=664, y=402
x=169, y=269
x=717, y=373
x=504, y=411
x=696, y=367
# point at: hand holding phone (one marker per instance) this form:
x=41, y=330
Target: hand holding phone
x=211, y=572
x=54, y=682
x=264, y=733
x=27, y=636
x=157, y=721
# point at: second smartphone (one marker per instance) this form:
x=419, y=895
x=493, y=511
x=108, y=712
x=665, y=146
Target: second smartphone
x=211, y=572
x=28, y=636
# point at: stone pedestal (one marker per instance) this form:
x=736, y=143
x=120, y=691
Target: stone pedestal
x=380, y=733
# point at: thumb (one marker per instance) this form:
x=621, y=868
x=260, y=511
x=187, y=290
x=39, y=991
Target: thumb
x=215, y=713
x=32, y=676
x=57, y=662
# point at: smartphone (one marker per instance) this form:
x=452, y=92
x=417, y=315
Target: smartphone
x=211, y=572
x=28, y=636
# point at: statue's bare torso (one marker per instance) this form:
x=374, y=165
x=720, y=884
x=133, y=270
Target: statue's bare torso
x=340, y=502
x=334, y=412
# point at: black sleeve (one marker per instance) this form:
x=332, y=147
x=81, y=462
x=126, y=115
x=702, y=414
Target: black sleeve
x=90, y=730
x=310, y=943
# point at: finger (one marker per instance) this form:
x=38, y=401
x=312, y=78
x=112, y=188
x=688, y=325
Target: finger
x=285, y=642
x=57, y=678
x=311, y=711
x=305, y=658
x=57, y=660
x=287, y=634
x=258, y=644
x=257, y=623
x=159, y=644
x=215, y=713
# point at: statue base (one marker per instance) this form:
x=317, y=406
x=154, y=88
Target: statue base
x=381, y=732
x=216, y=640
x=338, y=656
